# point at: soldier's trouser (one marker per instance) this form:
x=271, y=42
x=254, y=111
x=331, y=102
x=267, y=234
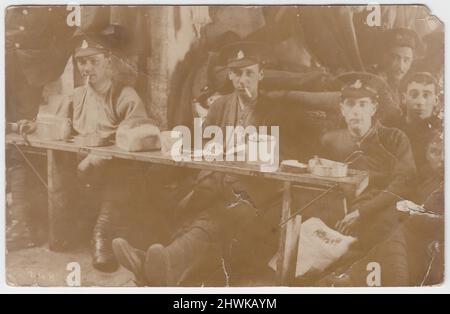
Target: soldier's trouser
x=113, y=180
x=223, y=220
x=104, y=188
x=227, y=230
x=386, y=264
x=381, y=241
x=406, y=256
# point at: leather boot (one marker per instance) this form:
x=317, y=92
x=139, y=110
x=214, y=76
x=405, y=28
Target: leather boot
x=131, y=259
x=104, y=232
x=168, y=266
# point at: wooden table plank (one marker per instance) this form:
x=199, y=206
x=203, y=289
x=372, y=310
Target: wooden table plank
x=355, y=182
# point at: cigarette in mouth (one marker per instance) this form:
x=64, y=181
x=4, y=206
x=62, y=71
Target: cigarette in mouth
x=248, y=92
x=87, y=80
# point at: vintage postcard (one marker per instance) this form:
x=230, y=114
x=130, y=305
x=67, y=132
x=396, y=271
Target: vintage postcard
x=224, y=146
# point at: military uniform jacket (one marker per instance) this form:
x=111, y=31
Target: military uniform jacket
x=386, y=154
x=225, y=112
x=420, y=134
x=101, y=112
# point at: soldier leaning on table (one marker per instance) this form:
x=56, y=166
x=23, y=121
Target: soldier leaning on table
x=97, y=109
x=421, y=234
x=37, y=47
x=386, y=154
x=223, y=206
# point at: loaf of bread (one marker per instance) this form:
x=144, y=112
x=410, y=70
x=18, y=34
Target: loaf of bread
x=138, y=135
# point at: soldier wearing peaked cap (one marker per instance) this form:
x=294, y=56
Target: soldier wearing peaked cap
x=226, y=203
x=93, y=53
x=244, y=62
x=97, y=109
x=243, y=53
x=401, y=50
x=383, y=152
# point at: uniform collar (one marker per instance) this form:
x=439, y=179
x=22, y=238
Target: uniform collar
x=103, y=89
x=250, y=105
x=429, y=123
x=373, y=131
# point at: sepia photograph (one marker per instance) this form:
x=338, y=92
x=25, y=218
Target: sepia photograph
x=224, y=146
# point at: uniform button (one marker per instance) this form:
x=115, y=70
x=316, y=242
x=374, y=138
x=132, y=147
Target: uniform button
x=21, y=28
x=25, y=12
x=17, y=45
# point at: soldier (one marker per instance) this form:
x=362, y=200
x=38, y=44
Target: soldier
x=412, y=255
x=97, y=108
x=37, y=46
x=420, y=95
x=384, y=152
x=222, y=204
x=401, y=52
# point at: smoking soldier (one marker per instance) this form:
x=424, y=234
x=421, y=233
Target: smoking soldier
x=97, y=109
x=223, y=203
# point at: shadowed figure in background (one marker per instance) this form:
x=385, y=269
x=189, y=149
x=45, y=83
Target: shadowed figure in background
x=37, y=47
x=420, y=96
x=400, y=51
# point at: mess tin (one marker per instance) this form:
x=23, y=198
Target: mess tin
x=53, y=128
x=327, y=168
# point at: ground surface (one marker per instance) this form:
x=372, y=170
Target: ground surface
x=43, y=268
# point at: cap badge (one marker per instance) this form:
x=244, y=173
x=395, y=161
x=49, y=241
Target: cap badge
x=357, y=84
x=240, y=55
x=84, y=44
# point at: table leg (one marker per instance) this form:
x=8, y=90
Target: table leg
x=52, y=203
x=282, y=270
x=57, y=202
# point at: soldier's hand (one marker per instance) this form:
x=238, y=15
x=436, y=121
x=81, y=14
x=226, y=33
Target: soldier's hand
x=24, y=127
x=199, y=111
x=347, y=225
x=91, y=162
